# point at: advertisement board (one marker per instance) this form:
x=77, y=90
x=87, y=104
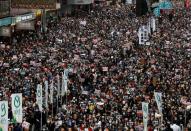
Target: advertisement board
x=4, y=8
x=34, y=4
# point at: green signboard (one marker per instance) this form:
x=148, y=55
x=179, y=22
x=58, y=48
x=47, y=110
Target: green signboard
x=4, y=8
x=5, y=21
x=34, y=4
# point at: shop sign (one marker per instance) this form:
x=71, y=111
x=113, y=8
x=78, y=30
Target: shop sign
x=25, y=25
x=25, y=17
x=5, y=21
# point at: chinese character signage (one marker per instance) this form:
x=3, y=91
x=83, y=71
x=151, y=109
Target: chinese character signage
x=4, y=8
x=34, y=4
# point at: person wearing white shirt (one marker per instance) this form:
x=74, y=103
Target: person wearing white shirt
x=175, y=127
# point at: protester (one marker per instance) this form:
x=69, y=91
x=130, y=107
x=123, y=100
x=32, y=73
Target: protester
x=110, y=74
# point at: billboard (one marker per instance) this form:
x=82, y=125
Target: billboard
x=34, y=4
x=4, y=8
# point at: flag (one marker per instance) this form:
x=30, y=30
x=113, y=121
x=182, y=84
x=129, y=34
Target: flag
x=4, y=115
x=17, y=107
x=39, y=96
x=46, y=94
x=51, y=92
x=158, y=98
x=145, y=114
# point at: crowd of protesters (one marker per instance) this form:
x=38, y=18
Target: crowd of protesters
x=110, y=73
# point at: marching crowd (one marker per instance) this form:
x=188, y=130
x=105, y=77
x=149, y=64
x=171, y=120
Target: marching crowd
x=110, y=74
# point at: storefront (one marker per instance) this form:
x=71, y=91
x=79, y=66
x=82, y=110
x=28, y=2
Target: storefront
x=80, y=6
x=5, y=26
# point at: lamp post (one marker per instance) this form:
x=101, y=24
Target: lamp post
x=43, y=20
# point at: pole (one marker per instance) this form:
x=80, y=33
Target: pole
x=43, y=20
x=161, y=119
x=41, y=121
x=185, y=119
x=57, y=102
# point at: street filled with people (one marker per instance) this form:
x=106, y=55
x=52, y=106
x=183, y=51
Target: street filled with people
x=109, y=73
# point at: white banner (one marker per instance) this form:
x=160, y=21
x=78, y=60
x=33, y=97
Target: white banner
x=39, y=96
x=158, y=98
x=66, y=71
x=46, y=94
x=17, y=107
x=64, y=82
x=145, y=114
x=153, y=24
x=58, y=89
x=143, y=34
x=51, y=91
x=66, y=85
x=149, y=25
x=4, y=115
x=62, y=90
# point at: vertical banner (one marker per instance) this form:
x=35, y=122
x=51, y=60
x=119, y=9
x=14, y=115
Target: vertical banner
x=39, y=96
x=62, y=90
x=153, y=24
x=46, y=94
x=66, y=71
x=51, y=91
x=17, y=107
x=149, y=26
x=66, y=79
x=58, y=82
x=4, y=116
x=143, y=35
x=145, y=114
x=158, y=98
